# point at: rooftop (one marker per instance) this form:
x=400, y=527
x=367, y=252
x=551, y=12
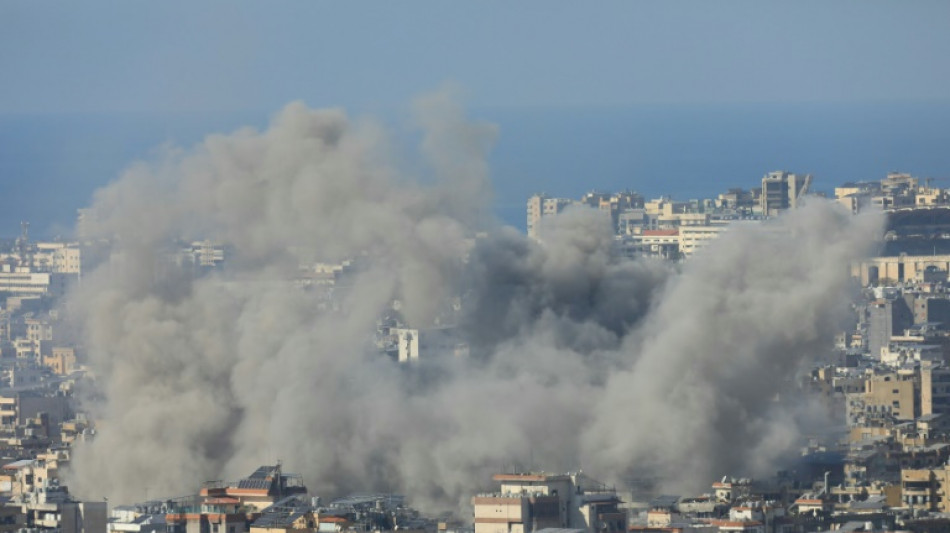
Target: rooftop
x=531, y=477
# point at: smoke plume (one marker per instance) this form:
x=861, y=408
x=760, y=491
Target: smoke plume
x=576, y=356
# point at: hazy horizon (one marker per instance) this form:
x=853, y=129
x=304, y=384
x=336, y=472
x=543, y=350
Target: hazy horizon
x=687, y=151
x=683, y=99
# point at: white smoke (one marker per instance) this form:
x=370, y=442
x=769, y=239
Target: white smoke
x=578, y=357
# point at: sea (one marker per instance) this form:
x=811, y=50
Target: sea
x=52, y=164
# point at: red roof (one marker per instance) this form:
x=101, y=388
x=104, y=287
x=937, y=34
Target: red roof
x=660, y=232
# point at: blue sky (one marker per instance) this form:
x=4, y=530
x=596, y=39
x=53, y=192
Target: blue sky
x=170, y=56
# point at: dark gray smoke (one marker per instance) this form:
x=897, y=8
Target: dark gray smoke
x=577, y=357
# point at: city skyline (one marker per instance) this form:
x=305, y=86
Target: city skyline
x=340, y=268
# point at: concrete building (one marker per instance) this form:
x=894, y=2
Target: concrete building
x=738, y=199
x=38, y=329
x=929, y=309
x=59, y=257
x=782, y=190
x=897, y=269
x=900, y=352
x=11, y=519
x=148, y=517
x=258, y=491
x=540, y=206
x=935, y=391
x=886, y=318
x=896, y=182
x=856, y=196
x=656, y=243
x=614, y=204
x=22, y=282
x=894, y=394
x=529, y=502
x=62, y=360
x=631, y=221
x=51, y=509
x=919, y=489
x=16, y=408
x=692, y=238
x=211, y=515
x=728, y=490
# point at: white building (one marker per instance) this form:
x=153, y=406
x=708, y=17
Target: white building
x=23, y=282
x=59, y=257
x=692, y=238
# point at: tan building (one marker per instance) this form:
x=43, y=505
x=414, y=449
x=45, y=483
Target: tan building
x=895, y=269
x=919, y=489
x=665, y=207
x=927, y=197
x=540, y=206
x=895, y=394
x=899, y=181
x=62, y=361
x=8, y=412
x=921, y=394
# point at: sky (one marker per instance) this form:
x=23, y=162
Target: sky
x=173, y=56
x=683, y=98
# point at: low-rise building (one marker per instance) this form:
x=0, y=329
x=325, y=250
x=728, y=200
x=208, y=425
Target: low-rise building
x=528, y=502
